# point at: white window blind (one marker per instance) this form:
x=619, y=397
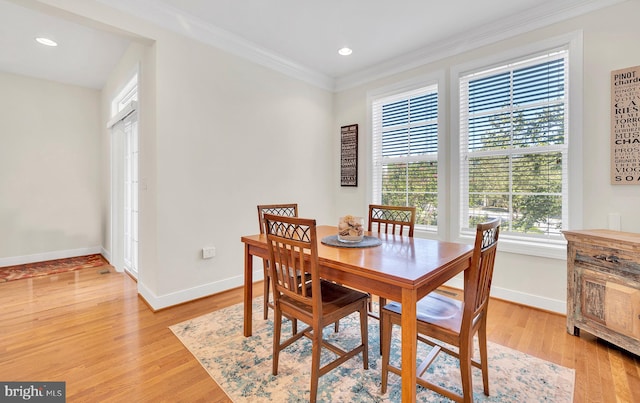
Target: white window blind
x=405, y=152
x=514, y=146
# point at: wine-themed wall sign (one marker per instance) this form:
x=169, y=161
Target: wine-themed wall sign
x=625, y=126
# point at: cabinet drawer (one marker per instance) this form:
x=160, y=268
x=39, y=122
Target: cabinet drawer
x=613, y=261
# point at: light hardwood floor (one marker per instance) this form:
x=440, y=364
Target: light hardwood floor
x=92, y=331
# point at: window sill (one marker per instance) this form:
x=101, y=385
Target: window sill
x=552, y=249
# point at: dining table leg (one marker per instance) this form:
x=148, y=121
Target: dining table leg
x=409, y=344
x=248, y=291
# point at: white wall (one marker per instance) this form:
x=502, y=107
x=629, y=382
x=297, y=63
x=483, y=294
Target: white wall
x=608, y=36
x=224, y=135
x=49, y=170
x=230, y=135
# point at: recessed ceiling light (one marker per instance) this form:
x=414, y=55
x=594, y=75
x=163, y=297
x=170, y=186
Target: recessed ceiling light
x=46, y=41
x=345, y=51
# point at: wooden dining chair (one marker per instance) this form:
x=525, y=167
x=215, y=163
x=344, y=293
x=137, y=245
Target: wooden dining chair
x=390, y=220
x=446, y=320
x=287, y=210
x=293, y=250
x=398, y=220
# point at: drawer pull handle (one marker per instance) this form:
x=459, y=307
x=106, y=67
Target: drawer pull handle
x=608, y=258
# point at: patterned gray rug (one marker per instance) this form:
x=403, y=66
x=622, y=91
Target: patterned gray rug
x=242, y=365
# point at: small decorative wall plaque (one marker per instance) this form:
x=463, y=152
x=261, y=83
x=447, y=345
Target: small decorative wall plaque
x=625, y=126
x=349, y=155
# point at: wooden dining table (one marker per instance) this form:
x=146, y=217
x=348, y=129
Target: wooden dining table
x=402, y=269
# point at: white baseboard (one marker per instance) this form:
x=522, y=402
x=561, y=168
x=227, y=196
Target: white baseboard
x=106, y=254
x=164, y=301
x=535, y=301
x=42, y=257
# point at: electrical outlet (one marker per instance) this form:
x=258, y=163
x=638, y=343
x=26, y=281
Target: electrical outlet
x=208, y=252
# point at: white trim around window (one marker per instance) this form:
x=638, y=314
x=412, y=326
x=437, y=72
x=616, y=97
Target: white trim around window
x=406, y=87
x=552, y=248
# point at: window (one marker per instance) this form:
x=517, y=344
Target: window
x=514, y=146
x=405, y=151
x=511, y=149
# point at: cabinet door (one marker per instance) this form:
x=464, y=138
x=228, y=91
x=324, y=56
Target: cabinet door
x=622, y=309
x=611, y=301
x=593, y=296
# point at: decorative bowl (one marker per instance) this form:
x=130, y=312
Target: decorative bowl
x=351, y=229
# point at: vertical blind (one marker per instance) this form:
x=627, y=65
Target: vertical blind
x=405, y=151
x=513, y=123
x=131, y=197
x=125, y=158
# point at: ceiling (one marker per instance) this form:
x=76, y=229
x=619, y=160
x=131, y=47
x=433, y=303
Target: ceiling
x=297, y=37
x=84, y=56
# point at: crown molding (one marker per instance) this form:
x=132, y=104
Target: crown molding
x=178, y=21
x=195, y=28
x=539, y=17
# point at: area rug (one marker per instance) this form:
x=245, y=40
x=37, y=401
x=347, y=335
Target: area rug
x=242, y=365
x=10, y=273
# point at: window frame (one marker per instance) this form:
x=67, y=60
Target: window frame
x=406, y=87
x=530, y=245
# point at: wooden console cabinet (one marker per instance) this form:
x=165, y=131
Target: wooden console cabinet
x=603, y=286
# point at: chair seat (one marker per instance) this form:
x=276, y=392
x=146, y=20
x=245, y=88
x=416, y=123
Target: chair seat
x=435, y=309
x=334, y=298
